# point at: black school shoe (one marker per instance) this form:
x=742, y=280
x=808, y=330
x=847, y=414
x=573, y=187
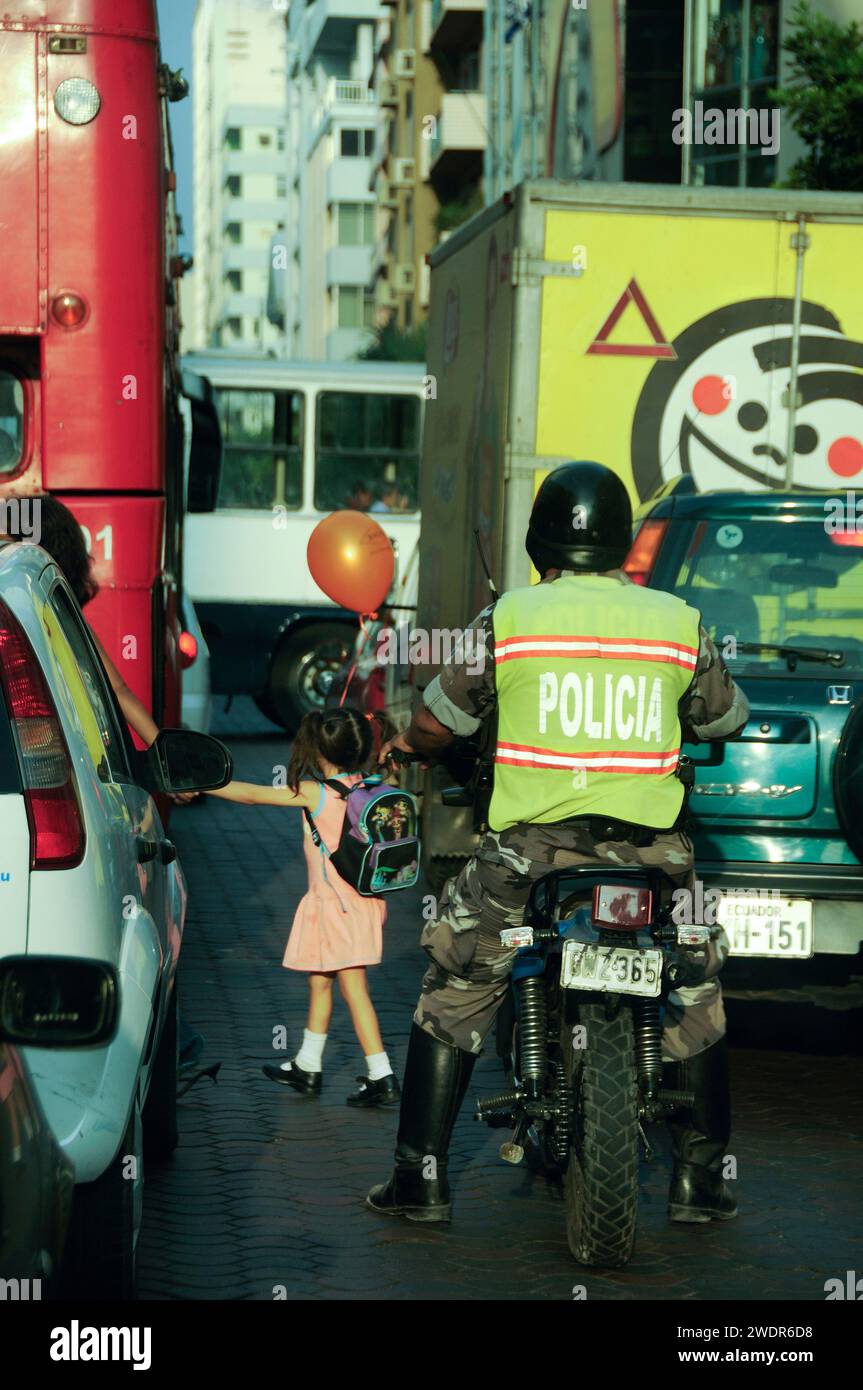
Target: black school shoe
x=308, y=1083
x=386, y=1091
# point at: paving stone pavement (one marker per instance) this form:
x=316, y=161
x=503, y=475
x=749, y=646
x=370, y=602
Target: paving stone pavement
x=264, y=1196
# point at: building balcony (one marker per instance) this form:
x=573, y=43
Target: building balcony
x=348, y=180
x=331, y=25
x=344, y=343
x=456, y=23
x=243, y=258
x=458, y=145
x=235, y=306
x=342, y=100
x=271, y=210
x=238, y=162
x=348, y=265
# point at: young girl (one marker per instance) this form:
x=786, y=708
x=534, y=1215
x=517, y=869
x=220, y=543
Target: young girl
x=336, y=932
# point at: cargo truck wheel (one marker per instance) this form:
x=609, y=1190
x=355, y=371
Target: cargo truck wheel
x=160, y=1110
x=303, y=669
x=99, y=1261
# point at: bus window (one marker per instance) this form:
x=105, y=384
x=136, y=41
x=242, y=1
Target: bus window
x=367, y=449
x=262, y=433
x=11, y=422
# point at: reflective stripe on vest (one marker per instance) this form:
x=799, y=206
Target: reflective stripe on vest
x=589, y=673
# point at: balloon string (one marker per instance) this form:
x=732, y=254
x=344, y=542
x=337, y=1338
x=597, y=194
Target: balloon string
x=366, y=634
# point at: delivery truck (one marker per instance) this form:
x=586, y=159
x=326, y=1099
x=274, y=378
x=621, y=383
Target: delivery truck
x=644, y=326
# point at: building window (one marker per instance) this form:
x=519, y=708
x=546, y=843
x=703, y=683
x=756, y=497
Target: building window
x=735, y=62
x=234, y=279
x=356, y=307
x=233, y=232
x=265, y=140
x=232, y=138
x=409, y=313
x=356, y=224
x=280, y=140
x=235, y=326
x=281, y=186
x=356, y=142
x=234, y=184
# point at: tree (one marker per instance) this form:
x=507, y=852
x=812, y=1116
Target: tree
x=824, y=101
x=394, y=344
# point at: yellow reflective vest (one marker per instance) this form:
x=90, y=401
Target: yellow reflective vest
x=589, y=673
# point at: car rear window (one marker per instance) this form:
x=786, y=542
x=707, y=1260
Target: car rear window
x=771, y=581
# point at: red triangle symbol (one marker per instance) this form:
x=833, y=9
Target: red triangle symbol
x=658, y=348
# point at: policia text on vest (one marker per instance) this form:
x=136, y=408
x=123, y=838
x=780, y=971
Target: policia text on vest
x=589, y=674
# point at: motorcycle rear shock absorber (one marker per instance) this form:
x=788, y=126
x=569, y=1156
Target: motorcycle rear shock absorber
x=532, y=1035
x=648, y=1047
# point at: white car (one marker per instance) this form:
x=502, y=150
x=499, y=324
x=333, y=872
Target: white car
x=86, y=868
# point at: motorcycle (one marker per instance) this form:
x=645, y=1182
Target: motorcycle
x=580, y=1040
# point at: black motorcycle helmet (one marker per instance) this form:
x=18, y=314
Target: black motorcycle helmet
x=581, y=520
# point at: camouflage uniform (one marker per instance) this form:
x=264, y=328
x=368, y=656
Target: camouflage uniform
x=469, y=972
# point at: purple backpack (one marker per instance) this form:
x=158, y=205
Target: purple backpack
x=379, y=847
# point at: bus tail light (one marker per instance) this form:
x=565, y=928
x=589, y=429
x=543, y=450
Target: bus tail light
x=642, y=557
x=53, y=813
x=188, y=645
x=70, y=310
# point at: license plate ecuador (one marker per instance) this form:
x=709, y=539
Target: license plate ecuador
x=620, y=969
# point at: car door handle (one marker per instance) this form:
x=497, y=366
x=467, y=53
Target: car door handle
x=147, y=849
x=167, y=851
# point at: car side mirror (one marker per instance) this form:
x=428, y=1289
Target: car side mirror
x=180, y=760
x=57, y=1001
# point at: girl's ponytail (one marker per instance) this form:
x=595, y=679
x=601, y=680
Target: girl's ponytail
x=306, y=750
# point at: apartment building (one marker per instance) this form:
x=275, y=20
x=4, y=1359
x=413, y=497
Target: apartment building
x=240, y=184
x=589, y=91
x=431, y=135
x=320, y=295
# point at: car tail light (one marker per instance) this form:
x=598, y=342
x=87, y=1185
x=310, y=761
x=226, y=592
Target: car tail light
x=188, y=645
x=56, y=828
x=642, y=557
x=616, y=905
x=846, y=537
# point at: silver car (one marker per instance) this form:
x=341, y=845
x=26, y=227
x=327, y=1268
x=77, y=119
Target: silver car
x=86, y=868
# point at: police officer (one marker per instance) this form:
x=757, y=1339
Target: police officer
x=596, y=682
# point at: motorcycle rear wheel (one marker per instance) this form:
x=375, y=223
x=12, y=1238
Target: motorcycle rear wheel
x=601, y=1180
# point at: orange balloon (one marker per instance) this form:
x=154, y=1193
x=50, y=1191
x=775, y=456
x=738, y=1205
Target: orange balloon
x=351, y=558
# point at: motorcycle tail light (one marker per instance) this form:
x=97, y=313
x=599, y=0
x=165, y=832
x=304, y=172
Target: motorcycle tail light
x=693, y=936
x=517, y=936
x=617, y=905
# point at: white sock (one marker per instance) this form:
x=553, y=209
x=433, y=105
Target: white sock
x=310, y=1055
x=379, y=1066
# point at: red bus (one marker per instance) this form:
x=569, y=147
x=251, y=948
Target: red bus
x=91, y=393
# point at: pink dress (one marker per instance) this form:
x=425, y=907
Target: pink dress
x=334, y=927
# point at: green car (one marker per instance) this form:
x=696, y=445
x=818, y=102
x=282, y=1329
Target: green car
x=778, y=813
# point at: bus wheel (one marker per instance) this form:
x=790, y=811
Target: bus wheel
x=304, y=668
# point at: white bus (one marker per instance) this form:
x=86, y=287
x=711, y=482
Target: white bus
x=301, y=439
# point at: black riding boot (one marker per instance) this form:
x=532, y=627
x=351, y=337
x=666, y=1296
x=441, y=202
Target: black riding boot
x=700, y=1138
x=435, y=1080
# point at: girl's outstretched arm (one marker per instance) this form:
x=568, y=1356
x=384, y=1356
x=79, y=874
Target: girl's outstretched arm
x=253, y=794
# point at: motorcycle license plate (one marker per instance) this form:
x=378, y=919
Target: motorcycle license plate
x=618, y=969
x=768, y=926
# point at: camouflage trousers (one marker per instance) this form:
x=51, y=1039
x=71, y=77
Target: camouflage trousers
x=468, y=977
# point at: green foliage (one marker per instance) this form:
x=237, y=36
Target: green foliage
x=451, y=215
x=394, y=344
x=824, y=101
